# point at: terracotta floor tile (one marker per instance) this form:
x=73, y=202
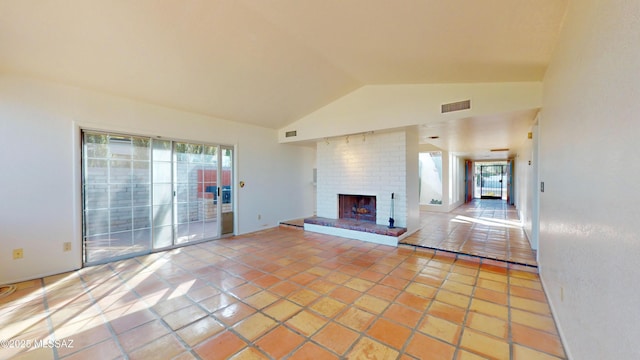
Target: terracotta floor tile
x=440, y=329
x=530, y=305
x=284, y=288
x=484, y=345
x=327, y=307
x=537, y=340
x=465, y=355
x=124, y=322
x=530, y=284
x=403, y=315
x=413, y=301
x=303, y=278
x=262, y=299
x=168, y=346
x=221, y=346
x=303, y=297
x=306, y=322
x=389, y=333
x=254, y=326
x=457, y=287
x=311, y=351
x=384, y=292
x=371, y=275
x=345, y=294
x=244, y=291
x=491, y=296
x=142, y=335
x=536, y=321
x=336, y=337
x=322, y=286
x=282, y=310
x=424, y=347
x=279, y=342
x=107, y=349
x=492, y=285
x=489, y=308
x=337, y=277
x=451, y=298
x=359, y=284
x=234, y=313
x=488, y=324
x=169, y=306
x=395, y=282
x=185, y=316
x=266, y=281
x=421, y=290
x=461, y=278
x=200, y=330
x=366, y=348
x=525, y=353
x=249, y=354
x=217, y=302
x=527, y=293
x=202, y=293
x=355, y=319
x=318, y=296
x=371, y=303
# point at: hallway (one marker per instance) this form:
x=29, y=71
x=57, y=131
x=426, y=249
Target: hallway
x=484, y=228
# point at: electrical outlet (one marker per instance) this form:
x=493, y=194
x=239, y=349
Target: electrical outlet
x=67, y=246
x=18, y=254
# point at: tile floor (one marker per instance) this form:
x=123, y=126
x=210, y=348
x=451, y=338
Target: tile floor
x=485, y=228
x=285, y=293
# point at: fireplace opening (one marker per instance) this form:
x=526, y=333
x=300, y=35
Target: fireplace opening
x=357, y=207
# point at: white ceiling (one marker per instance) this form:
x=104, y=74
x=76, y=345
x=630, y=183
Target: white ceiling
x=270, y=62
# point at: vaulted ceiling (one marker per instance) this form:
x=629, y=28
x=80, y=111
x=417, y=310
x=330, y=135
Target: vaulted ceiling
x=270, y=62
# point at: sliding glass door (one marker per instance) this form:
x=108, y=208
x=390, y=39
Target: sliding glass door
x=142, y=194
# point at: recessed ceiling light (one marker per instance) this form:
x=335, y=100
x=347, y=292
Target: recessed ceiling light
x=434, y=137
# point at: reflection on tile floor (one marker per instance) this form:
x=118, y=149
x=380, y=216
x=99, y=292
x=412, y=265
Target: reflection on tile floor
x=285, y=293
x=485, y=228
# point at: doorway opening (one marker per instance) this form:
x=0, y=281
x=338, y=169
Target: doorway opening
x=492, y=180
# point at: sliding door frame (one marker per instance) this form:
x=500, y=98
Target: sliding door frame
x=231, y=195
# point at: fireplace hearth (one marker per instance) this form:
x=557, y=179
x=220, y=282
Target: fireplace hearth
x=357, y=207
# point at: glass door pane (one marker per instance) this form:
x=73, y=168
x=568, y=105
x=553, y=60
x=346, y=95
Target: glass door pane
x=209, y=190
x=116, y=196
x=226, y=181
x=162, y=194
x=196, y=186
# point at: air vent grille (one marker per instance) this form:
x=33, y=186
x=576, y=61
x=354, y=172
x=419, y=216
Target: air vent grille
x=456, y=106
x=290, y=133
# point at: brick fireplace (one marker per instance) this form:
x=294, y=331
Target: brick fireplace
x=355, y=179
x=357, y=207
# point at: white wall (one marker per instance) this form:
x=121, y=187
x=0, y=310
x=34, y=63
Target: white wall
x=589, y=212
x=526, y=186
x=40, y=179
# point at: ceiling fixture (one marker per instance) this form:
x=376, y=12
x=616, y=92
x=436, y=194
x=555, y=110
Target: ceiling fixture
x=434, y=137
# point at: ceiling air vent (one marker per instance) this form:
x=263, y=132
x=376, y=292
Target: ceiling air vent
x=290, y=133
x=456, y=106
